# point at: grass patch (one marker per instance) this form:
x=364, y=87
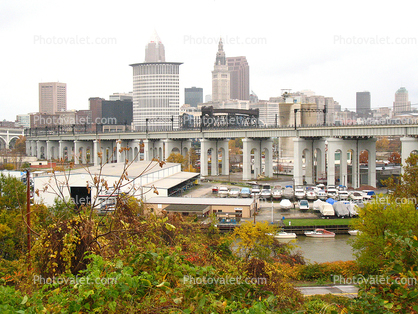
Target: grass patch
x=317, y=222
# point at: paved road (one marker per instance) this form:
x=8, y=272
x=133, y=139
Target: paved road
x=342, y=290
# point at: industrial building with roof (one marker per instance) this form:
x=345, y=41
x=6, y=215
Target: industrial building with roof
x=142, y=179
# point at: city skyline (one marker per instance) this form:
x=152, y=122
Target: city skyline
x=93, y=55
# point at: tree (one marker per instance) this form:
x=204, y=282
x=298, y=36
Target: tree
x=407, y=186
x=178, y=158
x=253, y=240
x=395, y=158
x=364, y=157
x=20, y=147
x=376, y=218
x=382, y=144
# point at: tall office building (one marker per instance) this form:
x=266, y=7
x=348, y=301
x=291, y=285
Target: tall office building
x=52, y=97
x=220, y=76
x=401, y=103
x=363, y=103
x=240, y=77
x=193, y=96
x=154, y=50
x=155, y=92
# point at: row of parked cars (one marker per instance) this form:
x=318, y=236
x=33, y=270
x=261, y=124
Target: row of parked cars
x=224, y=191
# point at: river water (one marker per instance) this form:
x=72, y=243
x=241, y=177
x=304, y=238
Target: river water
x=322, y=250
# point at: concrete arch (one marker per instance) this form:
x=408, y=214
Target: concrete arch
x=185, y=151
x=135, y=153
x=318, y=172
x=175, y=150
x=221, y=166
x=307, y=165
x=12, y=141
x=2, y=143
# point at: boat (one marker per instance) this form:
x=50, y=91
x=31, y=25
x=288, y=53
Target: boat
x=341, y=210
x=321, y=195
x=300, y=193
x=320, y=233
x=277, y=193
x=332, y=191
x=286, y=204
x=265, y=194
x=223, y=191
x=343, y=195
x=326, y=210
x=288, y=192
x=310, y=194
x=353, y=232
x=285, y=235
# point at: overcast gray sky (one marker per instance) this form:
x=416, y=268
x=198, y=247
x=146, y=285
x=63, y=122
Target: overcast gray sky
x=331, y=47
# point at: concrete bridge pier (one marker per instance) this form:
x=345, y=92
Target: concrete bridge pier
x=409, y=145
x=52, y=148
x=257, y=148
x=41, y=149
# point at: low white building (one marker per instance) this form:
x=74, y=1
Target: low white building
x=141, y=180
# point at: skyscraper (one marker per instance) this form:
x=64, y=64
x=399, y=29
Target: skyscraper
x=363, y=103
x=193, y=96
x=401, y=103
x=52, y=97
x=155, y=90
x=220, y=76
x=239, y=77
x=154, y=50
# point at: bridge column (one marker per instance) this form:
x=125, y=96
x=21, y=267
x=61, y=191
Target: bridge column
x=319, y=148
x=267, y=147
x=299, y=145
x=214, y=157
x=224, y=144
x=148, y=150
x=134, y=150
x=169, y=145
x=77, y=156
x=7, y=140
x=95, y=155
x=28, y=148
x=246, y=158
x=204, y=146
x=370, y=146
x=120, y=152
x=332, y=147
x=408, y=145
x=48, y=150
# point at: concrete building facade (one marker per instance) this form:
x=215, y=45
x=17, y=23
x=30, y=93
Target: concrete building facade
x=52, y=97
x=221, y=77
x=240, y=77
x=401, y=103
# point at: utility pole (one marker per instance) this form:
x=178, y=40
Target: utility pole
x=28, y=212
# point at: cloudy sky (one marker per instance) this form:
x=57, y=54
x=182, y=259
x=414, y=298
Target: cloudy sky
x=331, y=47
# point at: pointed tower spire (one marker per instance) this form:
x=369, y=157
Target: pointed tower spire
x=220, y=55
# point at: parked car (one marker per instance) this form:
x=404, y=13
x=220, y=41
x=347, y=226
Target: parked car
x=303, y=205
x=234, y=192
x=245, y=192
x=286, y=204
x=223, y=191
x=215, y=189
